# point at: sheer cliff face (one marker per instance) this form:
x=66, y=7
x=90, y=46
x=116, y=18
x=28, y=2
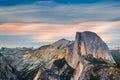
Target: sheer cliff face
x=95, y=46
x=88, y=44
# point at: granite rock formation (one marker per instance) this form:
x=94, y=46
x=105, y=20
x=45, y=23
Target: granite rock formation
x=88, y=49
x=86, y=58
x=37, y=61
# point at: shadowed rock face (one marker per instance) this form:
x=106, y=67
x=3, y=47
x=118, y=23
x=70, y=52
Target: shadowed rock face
x=6, y=72
x=60, y=70
x=116, y=56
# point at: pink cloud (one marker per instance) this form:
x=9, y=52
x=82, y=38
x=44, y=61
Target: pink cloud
x=50, y=32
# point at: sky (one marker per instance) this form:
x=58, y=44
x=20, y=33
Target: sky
x=33, y=23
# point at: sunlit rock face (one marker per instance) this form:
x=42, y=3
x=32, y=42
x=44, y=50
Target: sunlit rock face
x=88, y=48
x=6, y=71
x=34, y=62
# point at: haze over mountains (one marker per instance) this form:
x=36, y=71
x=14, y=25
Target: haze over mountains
x=88, y=58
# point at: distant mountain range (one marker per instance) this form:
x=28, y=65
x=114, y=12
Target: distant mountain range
x=116, y=48
x=86, y=58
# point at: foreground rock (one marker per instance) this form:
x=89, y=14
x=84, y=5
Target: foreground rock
x=60, y=70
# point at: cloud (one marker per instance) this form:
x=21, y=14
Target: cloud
x=51, y=12
x=48, y=21
x=52, y=32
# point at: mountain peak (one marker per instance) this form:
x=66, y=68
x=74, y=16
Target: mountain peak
x=61, y=43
